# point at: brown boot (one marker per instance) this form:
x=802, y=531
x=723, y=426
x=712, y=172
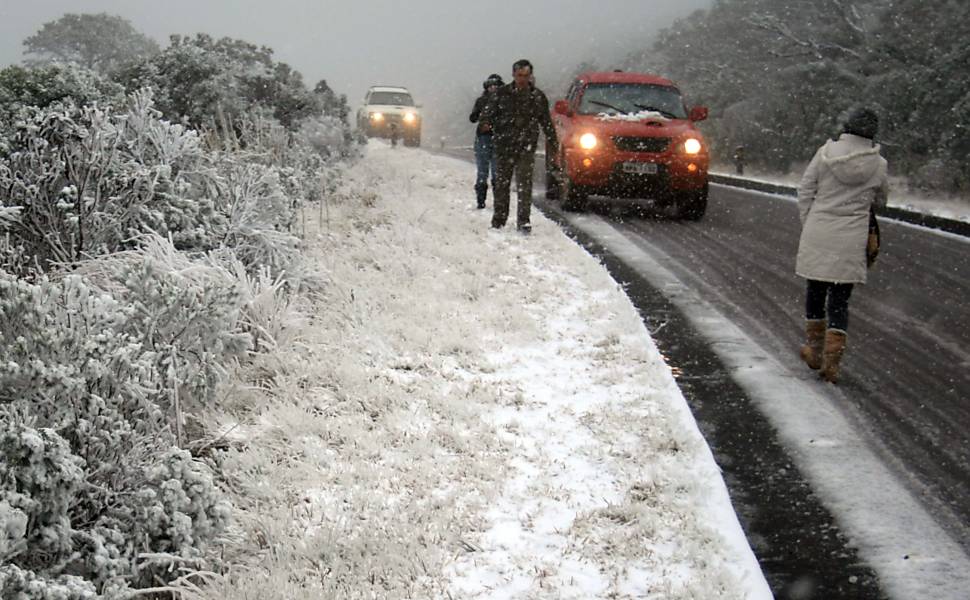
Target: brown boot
x=811, y=352
x=832, y=355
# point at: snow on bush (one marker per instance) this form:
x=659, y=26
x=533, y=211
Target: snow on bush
x=82, y=182
x=85, y=181
x=144, y=269
x=86, y=447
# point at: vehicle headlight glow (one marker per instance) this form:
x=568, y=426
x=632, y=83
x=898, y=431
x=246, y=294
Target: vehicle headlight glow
x=377, y=116
x=692, y=146
x=587, y=141
x=410, y=117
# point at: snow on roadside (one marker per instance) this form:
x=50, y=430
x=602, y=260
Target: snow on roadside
x=901, y=194
x=470, y=413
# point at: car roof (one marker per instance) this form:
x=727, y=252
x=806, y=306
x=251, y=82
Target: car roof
x=624, y=77
x=388, y=88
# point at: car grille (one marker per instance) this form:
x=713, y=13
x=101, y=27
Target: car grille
x=641, y=144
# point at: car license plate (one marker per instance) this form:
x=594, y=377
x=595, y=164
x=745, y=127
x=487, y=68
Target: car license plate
x=640, y=168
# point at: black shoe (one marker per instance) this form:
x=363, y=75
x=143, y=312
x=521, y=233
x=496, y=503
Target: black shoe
x=481, y=205
x=525, y=229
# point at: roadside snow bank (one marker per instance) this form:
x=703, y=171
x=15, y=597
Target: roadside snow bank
x=901, y=194
x=469, y=413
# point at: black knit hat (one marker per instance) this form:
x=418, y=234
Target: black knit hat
x=862, y=122
x=493, y=79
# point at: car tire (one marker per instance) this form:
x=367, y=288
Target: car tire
x=691, y=206
x=413, y=142
x=574, y=197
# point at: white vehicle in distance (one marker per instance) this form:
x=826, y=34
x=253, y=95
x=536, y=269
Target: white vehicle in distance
x=388, y=108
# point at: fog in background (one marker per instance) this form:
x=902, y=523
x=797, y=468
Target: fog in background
x=440, y=49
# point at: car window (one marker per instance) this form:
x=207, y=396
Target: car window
x=620, y=98
x=396, y=98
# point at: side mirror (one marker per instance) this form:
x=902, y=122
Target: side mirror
x=698, y=113
x=561, y=107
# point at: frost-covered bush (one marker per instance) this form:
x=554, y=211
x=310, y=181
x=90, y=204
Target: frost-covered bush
x=39, y=477
x=41, y=86
x=88, y=472
x=186, y=311
x=327, y=135
x=208, y=82
x=85, y=181
x=259, y=215
x=20, y=584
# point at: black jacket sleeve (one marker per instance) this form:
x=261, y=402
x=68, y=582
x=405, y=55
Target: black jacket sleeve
x=477, y=110
x=545, y=122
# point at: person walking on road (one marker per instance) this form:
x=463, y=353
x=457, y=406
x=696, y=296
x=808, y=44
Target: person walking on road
x=484, y=151
x=844, y=181
x=518, y=112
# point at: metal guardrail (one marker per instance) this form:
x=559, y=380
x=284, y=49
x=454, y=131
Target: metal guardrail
x=890, y=212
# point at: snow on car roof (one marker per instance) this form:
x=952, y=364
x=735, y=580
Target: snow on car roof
x=624, y=77
x=389, y=88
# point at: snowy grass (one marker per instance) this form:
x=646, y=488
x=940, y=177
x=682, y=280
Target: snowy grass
x=463, y=413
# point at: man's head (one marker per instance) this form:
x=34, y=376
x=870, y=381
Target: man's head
x=522, y=73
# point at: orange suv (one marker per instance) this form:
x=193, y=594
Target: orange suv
x=628, y=135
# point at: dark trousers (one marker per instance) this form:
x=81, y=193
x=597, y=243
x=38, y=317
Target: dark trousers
x=824, y=298
x=521, y=165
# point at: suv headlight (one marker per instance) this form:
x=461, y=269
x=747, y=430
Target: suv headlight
x=692, y=146
x=410, y=117
x=587, y=141
x=376, y=116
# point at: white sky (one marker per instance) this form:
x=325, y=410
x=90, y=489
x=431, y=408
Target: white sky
x=441, y=49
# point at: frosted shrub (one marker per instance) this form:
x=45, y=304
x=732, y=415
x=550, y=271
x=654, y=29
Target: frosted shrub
x=327, y=135
x=178, y=510
x=84, y=181
x=19, y=584
x=260, y=216
x=42, y=86
x=39, y=478
x=88, y=473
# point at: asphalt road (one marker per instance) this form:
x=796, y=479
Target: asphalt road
x=906, y=373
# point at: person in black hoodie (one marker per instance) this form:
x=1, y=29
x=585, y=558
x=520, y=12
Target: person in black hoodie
x=519, y=112
x=484, y=152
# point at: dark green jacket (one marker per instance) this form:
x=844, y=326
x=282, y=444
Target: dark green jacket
x=516, y=117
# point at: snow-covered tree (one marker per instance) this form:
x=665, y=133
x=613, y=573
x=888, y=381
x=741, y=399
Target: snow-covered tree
x=779, y=74
x=100, y=42
x=212, y=83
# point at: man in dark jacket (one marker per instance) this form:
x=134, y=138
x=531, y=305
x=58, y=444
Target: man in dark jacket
x=516, y=115
x=484, y=152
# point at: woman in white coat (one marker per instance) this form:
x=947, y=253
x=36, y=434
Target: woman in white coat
x=844, y=180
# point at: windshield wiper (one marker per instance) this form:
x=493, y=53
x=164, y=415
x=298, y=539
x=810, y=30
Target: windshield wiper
x=607, y=105
x=665, y=113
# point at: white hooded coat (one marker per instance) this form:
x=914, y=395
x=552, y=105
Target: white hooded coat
x=845, y=178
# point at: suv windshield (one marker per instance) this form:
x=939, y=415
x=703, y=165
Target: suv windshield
x=615, y=98
x=389, y=98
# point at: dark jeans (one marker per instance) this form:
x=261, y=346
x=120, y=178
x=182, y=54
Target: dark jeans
x=832, y=299
x=484, y=160
x=521, y=165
